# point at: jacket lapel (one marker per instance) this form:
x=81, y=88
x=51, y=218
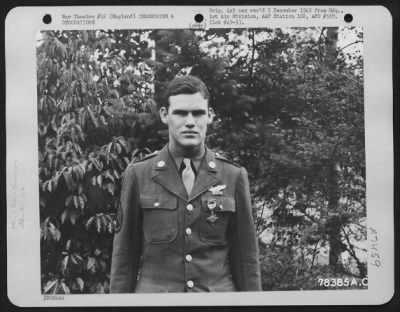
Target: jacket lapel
x=165, y=173
x=207, y=176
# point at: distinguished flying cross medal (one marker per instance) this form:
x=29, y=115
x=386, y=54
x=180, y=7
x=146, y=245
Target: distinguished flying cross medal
x=212, y=204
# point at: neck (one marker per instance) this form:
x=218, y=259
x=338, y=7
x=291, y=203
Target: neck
x=187, y=152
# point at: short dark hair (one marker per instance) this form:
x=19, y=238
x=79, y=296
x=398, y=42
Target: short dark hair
x=185, y=85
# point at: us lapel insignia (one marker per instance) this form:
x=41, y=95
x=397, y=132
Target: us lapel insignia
x=211, y=205
x=217, y=190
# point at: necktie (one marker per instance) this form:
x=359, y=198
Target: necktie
x=188, y=176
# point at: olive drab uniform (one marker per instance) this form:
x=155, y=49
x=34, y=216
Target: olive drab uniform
x=169, y=241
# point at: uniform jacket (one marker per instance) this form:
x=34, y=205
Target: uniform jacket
x=168, y=242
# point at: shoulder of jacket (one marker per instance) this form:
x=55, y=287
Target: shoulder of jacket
x=222, y=158
x=139, y=162
x=148, y=156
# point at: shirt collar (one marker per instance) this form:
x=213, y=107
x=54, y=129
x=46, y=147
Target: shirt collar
x=178, y=159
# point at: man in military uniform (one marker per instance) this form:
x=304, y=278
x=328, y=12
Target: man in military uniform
x=185, y=223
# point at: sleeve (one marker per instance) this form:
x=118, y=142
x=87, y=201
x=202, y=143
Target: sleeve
x=244, y=253
x=127, y=240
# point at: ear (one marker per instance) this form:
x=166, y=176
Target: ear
x=164, y=114
x=211, y=115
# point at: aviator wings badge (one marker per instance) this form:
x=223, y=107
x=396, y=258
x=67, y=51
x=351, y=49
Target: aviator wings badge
x=217, y=190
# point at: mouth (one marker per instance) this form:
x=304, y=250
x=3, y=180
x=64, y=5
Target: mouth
x=189, y=133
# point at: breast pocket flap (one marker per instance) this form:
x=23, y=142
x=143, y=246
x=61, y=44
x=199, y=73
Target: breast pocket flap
x=156, y=201
x=227, y=203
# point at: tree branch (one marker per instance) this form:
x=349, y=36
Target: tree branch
x=352, y=252
x=313, y=255
x=253, y=48
x=260, y=219
x=358, y=41
x=318, y=42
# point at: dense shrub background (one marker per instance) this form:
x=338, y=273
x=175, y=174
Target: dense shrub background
x=289, y=107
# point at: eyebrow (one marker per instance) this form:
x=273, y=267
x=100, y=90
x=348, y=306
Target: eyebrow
x=185, y=112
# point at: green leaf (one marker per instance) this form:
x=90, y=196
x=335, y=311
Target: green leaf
x=110, y=225
x=76, y=202
x=98, y=224
x=81, y=202
x=64, y=264
x=73, y=215
x=116, y=174
x=56, y=179
x=103, y=120
x=64, y=215
x=124, y=144
x=89, y=222
x=50, y=285
x=54, y=124
x=109, y=175
x=68, y=245
x=65, y=288
x=80, y=283
x=50, y=186
x=68, y=201
x=119, y=148
x=91, y=265
x=98, y=164
x=100, y=180
x=54, y=232
x=126, y=159
x=111, y=188
x=68, y=180
x=92, y=117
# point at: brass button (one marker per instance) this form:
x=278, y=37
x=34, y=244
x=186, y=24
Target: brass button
x=188, y=231
x=161, y=164
x=190, y=284
x=189, y=207
x=212, y=164
x=189, y=258
x=156, y=204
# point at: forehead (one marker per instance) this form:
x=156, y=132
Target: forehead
x=188, y=102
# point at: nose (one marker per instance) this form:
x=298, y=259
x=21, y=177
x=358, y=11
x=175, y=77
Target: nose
x=189, y=121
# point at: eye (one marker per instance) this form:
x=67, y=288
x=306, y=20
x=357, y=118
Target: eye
x=198, y=113
x=181, y=113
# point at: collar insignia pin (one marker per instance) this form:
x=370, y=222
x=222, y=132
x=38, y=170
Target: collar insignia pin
x=212, y=165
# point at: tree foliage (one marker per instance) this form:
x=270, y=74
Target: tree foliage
x=96, y=115
x=286, y=109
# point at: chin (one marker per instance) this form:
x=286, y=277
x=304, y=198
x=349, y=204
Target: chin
x=190, y=143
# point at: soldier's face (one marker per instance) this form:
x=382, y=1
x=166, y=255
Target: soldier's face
x=187, y=118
